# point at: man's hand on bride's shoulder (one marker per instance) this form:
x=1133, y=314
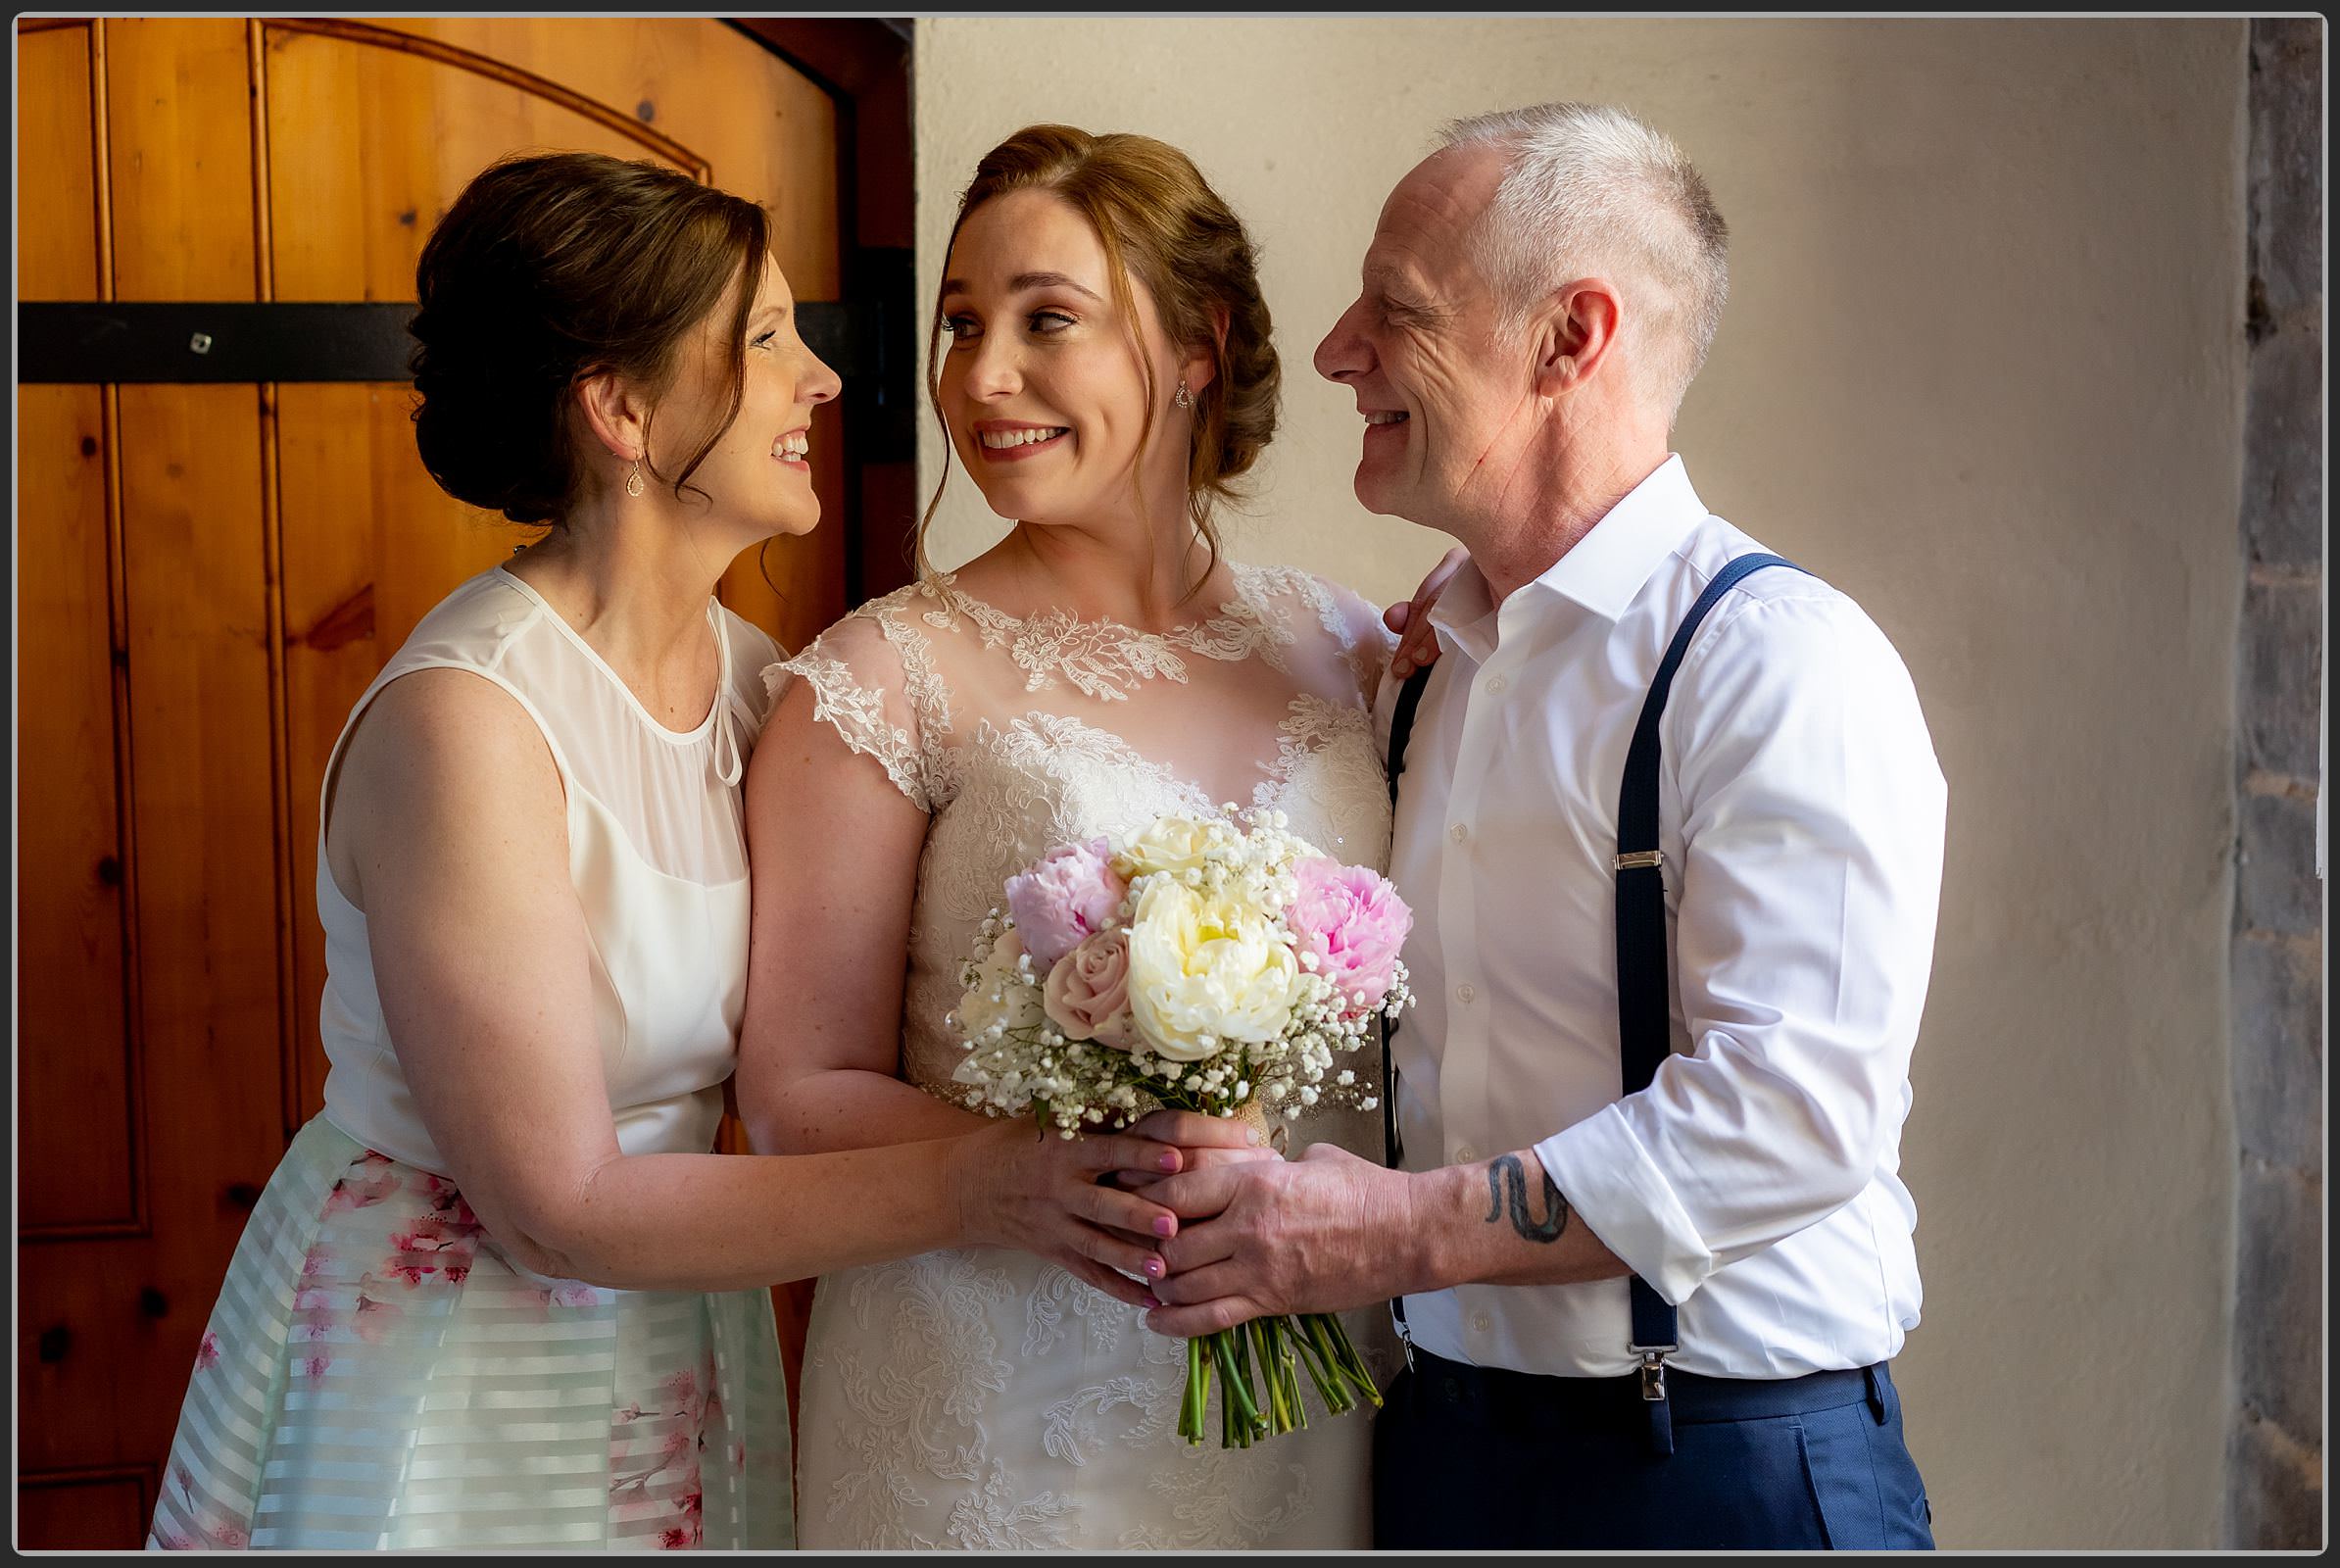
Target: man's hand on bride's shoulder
x=1417, y=643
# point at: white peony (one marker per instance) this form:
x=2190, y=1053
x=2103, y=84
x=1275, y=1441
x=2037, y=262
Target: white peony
x=1205, y=970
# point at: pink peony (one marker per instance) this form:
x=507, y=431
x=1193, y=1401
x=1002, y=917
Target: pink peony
x=1088, y=992
x=1061, y=900
x=1354, y=923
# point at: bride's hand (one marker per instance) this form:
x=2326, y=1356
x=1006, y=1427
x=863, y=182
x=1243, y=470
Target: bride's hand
x=1202, y=1142
x=1417, y=643
x=1042, y=1192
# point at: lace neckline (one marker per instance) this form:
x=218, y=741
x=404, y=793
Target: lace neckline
x=1105, y=658
x=1311, y=725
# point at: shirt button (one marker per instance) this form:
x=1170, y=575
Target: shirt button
x=1482, y=1322
x=1496, y=683
x=1458, y=832
x=1466, y=995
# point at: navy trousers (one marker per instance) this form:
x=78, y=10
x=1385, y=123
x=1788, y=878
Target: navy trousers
x=1476, y=1458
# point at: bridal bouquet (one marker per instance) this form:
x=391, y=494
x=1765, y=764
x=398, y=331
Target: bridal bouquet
x=1213, y=965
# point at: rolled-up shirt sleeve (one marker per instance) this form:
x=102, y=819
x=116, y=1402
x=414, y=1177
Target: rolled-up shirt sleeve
x=1811, y=812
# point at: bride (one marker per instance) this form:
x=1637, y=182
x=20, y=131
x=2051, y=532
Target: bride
x=1108, y=374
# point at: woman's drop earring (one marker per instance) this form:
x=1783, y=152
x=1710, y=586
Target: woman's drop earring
x=1182, y=397
x=633, y=480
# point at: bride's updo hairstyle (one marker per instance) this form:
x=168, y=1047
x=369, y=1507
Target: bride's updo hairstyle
x=549, y=269
x=1157, y=220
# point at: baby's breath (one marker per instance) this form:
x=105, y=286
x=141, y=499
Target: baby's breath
x=1019, y=1061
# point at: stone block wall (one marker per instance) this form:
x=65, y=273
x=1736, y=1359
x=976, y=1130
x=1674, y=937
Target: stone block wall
x=2275, y=1451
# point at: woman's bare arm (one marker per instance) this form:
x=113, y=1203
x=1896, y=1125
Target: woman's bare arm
x=450, y=829
x=833, y=852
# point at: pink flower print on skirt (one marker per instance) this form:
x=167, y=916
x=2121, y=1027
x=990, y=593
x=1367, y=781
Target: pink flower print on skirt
x=369, y=1316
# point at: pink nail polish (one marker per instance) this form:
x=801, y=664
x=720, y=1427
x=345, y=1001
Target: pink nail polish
x=1164, y=1225
x=1153, y=1268
x=1151, y=1299
x=1168, y=1161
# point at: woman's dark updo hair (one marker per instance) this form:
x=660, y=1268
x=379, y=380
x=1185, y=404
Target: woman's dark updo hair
x=1159, y=220
x=549, y=269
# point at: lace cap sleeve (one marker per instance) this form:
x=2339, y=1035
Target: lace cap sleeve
x=873, y=685
x=1365, y=642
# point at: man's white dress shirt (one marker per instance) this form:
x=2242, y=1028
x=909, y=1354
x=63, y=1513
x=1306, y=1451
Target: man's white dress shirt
x=1755, y=1183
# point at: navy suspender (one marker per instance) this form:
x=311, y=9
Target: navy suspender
x=1401, y=725
x=1645, y=988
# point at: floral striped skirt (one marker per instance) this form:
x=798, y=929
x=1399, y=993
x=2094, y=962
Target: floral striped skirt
x=378, y=1376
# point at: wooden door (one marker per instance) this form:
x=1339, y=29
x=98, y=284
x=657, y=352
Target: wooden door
x=210, y=575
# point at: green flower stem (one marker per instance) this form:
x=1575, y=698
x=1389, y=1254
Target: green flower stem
x=1249, y=1336
x=1227, y=1422
x=1241, y=1405
x=1265, y=1425
x=1274, y=1353
x=1284, y=1336
x=1257, y=1332
x=1282, y=1346
x=1314, y=1326
x=1227, y=1416
x=1252, y=1416
x=1331, y=1385
x=1292, y=1370
x=1197, y=1398
x=1243, y=1410
x=1344, y=1355
x=1288, y=1361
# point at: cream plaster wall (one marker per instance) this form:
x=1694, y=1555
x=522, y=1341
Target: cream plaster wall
x=1981, y=369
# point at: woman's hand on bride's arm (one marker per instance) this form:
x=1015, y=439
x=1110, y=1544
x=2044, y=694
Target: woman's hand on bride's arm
x=1417, y=643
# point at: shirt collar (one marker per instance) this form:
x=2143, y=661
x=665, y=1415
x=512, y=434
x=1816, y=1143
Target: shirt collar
x=1464, y=616
x=1605, y=570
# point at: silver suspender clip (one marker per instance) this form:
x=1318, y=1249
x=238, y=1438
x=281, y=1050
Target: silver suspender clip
x=1405, y=1338
x=1653, y=1370
x=1639, y=859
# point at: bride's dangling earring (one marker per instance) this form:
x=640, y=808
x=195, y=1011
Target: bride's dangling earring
x=633, y=479
x=1182, y=397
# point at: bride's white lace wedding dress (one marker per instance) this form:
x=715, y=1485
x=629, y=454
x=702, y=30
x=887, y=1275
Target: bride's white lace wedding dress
x=980, y=1397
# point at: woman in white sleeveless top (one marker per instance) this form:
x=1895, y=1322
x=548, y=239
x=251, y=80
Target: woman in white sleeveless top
x=500, y=1294
x=1100, y=667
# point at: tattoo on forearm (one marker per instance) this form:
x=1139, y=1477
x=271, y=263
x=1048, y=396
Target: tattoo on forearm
x=1507, y=1185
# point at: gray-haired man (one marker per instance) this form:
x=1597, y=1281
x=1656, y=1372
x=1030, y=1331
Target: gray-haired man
x=1671, y=824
